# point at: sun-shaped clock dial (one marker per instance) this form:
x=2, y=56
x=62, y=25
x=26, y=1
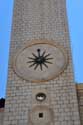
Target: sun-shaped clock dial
x=40, y=60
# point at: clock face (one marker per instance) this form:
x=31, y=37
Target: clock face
x=40, y=61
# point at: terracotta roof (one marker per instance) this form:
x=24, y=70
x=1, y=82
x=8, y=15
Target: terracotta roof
x=79, y=86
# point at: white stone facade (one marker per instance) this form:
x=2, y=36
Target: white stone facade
x=41, y=19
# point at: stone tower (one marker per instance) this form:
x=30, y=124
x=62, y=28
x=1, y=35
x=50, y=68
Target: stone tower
x=41, y=88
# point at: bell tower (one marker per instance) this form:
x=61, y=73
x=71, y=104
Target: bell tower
x=41, y=88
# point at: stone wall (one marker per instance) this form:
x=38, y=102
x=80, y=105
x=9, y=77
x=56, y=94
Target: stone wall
x=1, y=116
x=79, y=88
x=80, y=102
x=41, y=19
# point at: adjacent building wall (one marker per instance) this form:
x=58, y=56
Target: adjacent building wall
x=80, y=100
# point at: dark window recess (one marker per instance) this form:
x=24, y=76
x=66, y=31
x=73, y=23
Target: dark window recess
x=40, y=115
x=40, y=97
x=2, y=103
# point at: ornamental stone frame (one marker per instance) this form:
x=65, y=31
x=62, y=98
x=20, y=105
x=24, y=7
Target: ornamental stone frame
x=57, y=52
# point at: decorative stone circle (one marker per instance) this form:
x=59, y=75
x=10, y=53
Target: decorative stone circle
x=40, y=61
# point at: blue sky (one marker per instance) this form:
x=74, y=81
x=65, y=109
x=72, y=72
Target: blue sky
x=75, y=18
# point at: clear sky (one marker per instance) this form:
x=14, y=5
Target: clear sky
x=75, y=18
